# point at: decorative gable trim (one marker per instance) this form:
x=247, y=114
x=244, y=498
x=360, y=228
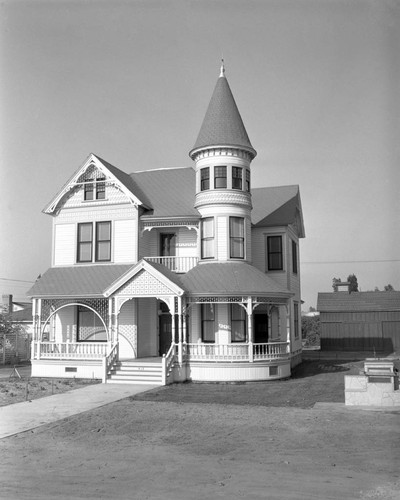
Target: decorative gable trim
x=74, y=181
x=145, y=281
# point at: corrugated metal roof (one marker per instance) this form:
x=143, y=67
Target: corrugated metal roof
x=222, y=124
x=358, y=301
x=77, y=281
x=235, y=278
x=170, y=192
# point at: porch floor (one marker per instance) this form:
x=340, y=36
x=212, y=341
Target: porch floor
x=151, y=359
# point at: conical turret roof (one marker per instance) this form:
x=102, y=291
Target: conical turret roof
x=222, y=124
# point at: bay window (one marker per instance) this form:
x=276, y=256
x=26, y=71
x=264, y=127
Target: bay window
x=219, y=177
x=207, y=323
x=207, y=238
x=236, y=237
x=236, y=178
x=238, y=323
x=275, y=253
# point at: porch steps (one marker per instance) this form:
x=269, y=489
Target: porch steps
x=136, y=372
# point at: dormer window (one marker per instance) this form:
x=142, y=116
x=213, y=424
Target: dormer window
x=88, y=196
x=219, y=177
x=236, y=178
x=205, y=179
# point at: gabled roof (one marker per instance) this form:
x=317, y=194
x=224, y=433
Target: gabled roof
x=235, y=278
x=358, y=301
x=77, y=281
x=170, y=192
x=222, y=124
x=123, y=180
x=277, y=206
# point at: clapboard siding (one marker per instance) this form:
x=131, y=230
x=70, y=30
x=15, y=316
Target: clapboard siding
x=64, y=244
x=125, y=241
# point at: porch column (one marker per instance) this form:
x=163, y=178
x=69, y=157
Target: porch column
x=180, y=331
x=288, y=326
x=250, y=327
x=38, y=326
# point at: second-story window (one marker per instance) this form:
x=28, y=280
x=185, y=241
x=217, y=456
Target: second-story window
x=275, y=253
x=101, y=238
x=236, y=237
x=294, y=257
x=103, y=241
x=205, y=179
x=85, y=242
x=236, y=178
x=207, y=238
x=219, y=177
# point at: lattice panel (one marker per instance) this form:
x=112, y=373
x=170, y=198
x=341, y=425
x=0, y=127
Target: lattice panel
x=144, y=284
x=130, y=333
x=218, y=299
x=99, y=305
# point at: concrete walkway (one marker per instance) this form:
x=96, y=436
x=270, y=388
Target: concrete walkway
x=21, y=417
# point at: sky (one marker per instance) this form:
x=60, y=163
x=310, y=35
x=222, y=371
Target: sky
x=316, y=83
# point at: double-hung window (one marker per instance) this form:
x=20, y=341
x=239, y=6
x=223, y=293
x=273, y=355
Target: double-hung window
x=103, y=241
x=205, y=179
x=275, y=253
x=85, y=242
x=95, y=189
x=238, y=323
x=88, y=190
x=237, y=177
x=219, y=177
x=248, y=181
x=236, y=237
x=207, y=238
x=100, y=238
x=101, y=189
x=296, y=320
x=294, y=257
x=207, y=323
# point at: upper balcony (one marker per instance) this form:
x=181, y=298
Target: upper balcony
x=175, y=264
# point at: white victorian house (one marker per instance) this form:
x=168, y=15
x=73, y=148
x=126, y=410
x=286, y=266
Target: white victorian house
x=173, y=274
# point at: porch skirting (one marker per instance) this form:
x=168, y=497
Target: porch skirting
x=67, y=368
x=197, y=371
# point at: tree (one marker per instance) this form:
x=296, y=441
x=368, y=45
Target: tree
x=8, y=326
x=353, y=283
x=310, y=330
x=389, y=288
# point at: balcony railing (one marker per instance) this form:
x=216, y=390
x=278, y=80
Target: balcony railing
x=237, y=352
x=175, y=264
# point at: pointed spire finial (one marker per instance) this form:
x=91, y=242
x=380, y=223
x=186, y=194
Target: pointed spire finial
x=222, y=73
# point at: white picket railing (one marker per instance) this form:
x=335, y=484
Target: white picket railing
x=70, y=350
x=237, y=352
x=176, y=264
x=108, y=361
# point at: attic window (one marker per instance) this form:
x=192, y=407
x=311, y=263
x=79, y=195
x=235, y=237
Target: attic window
x=95, y=189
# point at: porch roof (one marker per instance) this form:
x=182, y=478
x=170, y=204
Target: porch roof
x=77, y=281
x=231, y=278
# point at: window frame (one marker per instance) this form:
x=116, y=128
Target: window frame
x=242, y=320
x=295, y=263
x=101, y=188
x=237, y=175
x=205, y=179
x=207, y=239
x=248, y=180
x=88, y=190
x=296, y=323
x=98, y=241
x=236, y=239
x=205, y=320
x=81, y=242
x=220, y=173
x=270, y=253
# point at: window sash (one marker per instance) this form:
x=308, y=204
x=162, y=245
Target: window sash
x=275, y=254
x=207, y=323
x=236, y=178
x=101, y=189
x=85, y=242
x=248, y=180
x=205, y=179
x=103, y=241
x=238, y=324
x=220, y=177
x=236, y=237
x=88, y=191
x=294, y=257
x=207, y=238
x=296, y=320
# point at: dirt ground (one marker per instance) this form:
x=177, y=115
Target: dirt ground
x=207, y=441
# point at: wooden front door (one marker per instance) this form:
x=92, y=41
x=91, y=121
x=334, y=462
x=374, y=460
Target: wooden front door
x=260, y=328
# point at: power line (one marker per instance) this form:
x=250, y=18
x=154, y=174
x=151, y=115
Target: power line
x=21, y=281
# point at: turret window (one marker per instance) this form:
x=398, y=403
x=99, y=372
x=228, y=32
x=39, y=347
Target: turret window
x=207, y=238
x=236, y=178
x=248, y=181
x=236, y=237
x=219, y=177
x=205, y=179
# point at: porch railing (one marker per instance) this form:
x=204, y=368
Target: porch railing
x=70, y=350
x=167, y=363
x=175, y=264
x=237, y=352
x=109, y=360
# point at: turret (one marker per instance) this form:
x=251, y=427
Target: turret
x=222, y=156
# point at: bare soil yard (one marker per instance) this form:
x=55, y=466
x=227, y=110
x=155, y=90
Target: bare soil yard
x=212, y=441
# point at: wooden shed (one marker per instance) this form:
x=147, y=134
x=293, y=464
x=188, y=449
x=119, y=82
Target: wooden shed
x=360, y=321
